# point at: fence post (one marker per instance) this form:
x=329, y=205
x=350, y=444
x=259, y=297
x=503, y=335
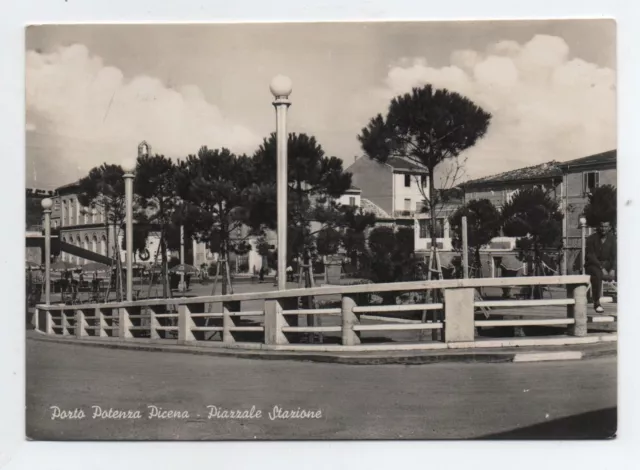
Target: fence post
x=64, y=323
x=350, y=337
x=80, y=324
x=101, y=323
x=273, y=322
x=578, y=311
x=185, y=323
x=124, y=323
x=227, y=321
x=48, y=323
x=459, y=321
x=35, y=320
x=153, y=323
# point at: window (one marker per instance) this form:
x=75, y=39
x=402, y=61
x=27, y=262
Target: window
x=407, y=181
x=591, y=180
x=425, y=228
x=407, y=204
x=423, y=180
x=352, y=201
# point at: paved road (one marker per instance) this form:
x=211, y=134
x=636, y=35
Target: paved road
x=556, y=399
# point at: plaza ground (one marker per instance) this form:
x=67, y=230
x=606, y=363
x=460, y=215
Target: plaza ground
x=572, y=399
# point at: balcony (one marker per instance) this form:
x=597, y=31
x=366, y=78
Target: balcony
x=405, y=214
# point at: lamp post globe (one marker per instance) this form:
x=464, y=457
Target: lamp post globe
x=281, y=86
x=583, y=221
x=47, y=204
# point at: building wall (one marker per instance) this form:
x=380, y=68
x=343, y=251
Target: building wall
x=577, y=199
x=411, y=193
x=345, y=199
x=499, y=194
x=375, y=180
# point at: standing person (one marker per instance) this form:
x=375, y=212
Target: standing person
x=289, y=273
x=600, y=261
x=261, y=273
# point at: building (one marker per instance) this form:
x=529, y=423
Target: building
x=395, y=188
x=88, y=229
x=580, y=177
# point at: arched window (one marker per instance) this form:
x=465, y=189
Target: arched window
x=103, y=245
x=94, y=244
x=79, y=244
x=63, y=254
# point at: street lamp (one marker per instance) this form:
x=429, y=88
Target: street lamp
x=583, y=235
x=281, y=87
x=128, y=196
x=46, y=205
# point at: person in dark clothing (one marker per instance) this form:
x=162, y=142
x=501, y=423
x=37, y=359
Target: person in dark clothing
x=262, y=274
x=600, y=262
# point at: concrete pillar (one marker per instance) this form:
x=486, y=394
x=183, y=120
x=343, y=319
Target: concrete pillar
x=273, y=322
x=578, y=311
x=81, y=324
x=227, y=320
x=281, y=88
x=459, y=314
x=350, y=337
x=124, y=323
x=185, y=323
x=128, y=190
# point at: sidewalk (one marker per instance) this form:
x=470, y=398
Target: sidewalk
x=407, y=357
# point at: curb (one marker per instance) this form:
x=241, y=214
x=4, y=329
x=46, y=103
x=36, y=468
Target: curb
x=423, y=358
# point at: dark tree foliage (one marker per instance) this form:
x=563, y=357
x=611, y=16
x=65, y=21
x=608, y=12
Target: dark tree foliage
x=140, y=238
x=355, y=225
x=103, y=188
x=535, y=217
x=34, y=211
x=426, y=126
x=220, y=190
x=315, y=180
x=391, y=254
x=602, y=206
x=483, y=224
x=156, y=197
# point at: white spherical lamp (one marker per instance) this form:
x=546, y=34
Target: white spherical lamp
x=281, y=86
x=583, y=221
x=46, y=203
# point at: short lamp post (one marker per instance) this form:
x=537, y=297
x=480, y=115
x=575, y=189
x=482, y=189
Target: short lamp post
x=583, y=244
x=46, y=205
x=281, y=87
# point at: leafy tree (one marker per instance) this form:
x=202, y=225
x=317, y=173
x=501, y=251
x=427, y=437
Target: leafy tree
x=33, y=211
x=602, y=206
x=103, y=188
x=391, y=254
x=140, y=238
x=155, y=186
x=355, y=225
x=219, y=189
x=535, y=217
x=483, y=224
x=428, y=127
x=315, y=182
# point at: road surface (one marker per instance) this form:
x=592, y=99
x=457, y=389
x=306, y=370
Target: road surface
x=450, y=400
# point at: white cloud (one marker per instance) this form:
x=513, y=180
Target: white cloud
x=545, y=105
x=92, y=113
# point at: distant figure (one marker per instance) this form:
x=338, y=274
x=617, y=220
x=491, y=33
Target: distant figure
x=262, y=273
x=289, y=273
x=600, y=261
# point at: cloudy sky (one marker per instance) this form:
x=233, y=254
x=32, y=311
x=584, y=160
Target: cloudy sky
x=94, y=92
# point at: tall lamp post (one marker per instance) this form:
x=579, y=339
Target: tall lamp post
x=128, y=193
x=583, y=245
x=46, y=205
x=281, y=89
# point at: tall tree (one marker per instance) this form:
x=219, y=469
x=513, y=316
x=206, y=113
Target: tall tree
x=428, y=127
x=602, y=206
x=355, y=225
x=156, y=189
x=103, y=189
x=220, y=188
x=315, y=182
x=535, y=217
x=483, y=224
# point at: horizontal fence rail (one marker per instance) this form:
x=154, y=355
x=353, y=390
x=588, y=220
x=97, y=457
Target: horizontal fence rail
x=451, y=317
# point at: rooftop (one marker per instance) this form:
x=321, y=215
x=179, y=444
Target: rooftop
x=602, y=158
x=398, y=163
x=536, y=172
